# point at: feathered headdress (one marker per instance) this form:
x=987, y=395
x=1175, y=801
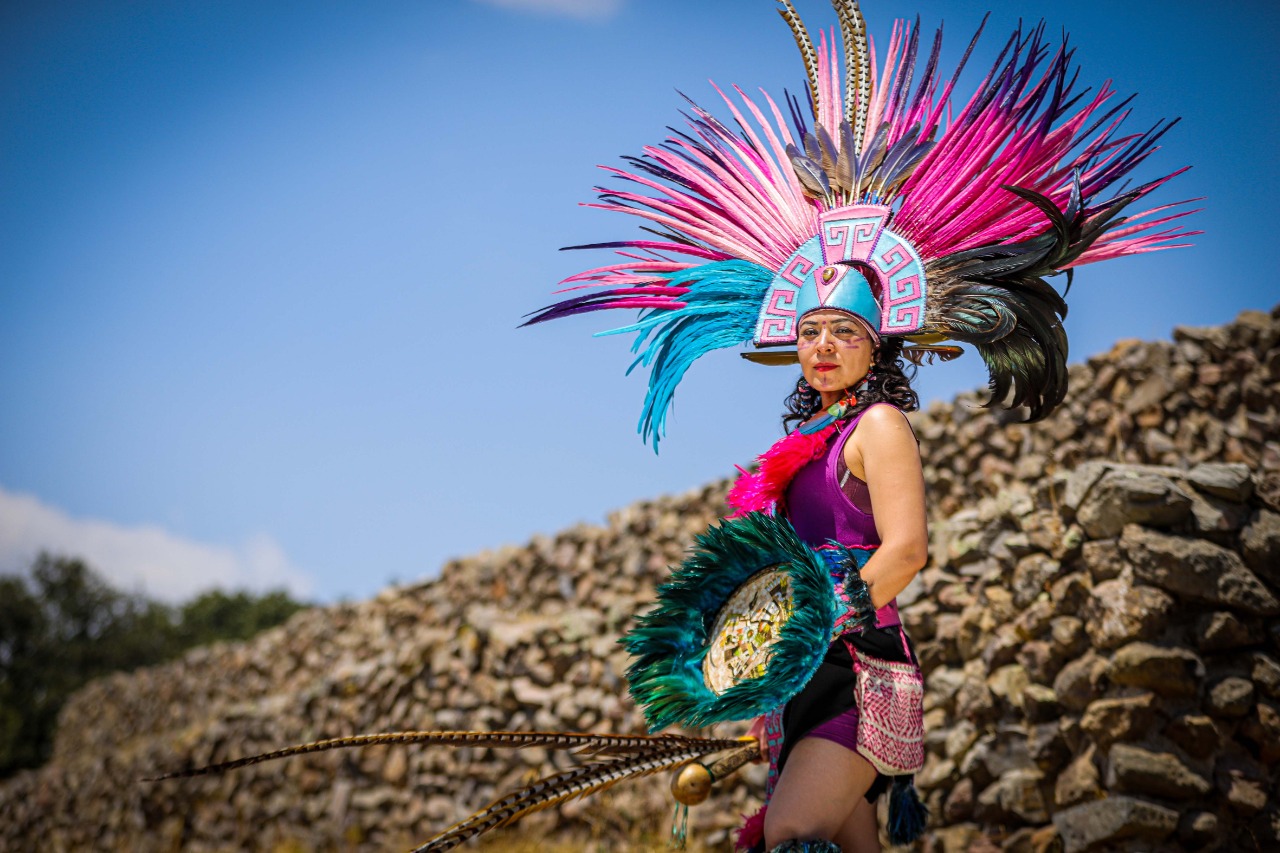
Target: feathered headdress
x=930, y=222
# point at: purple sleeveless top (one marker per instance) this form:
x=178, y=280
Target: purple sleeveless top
x=821, y=512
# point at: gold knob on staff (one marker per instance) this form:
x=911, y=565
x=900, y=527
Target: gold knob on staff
x=692, y=783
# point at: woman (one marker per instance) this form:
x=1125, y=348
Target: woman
x=881, y=224
x=866, y=490
x=886, y=213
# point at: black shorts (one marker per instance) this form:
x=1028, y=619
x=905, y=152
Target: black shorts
x=831, y=690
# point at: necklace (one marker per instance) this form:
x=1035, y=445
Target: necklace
x=837, y=411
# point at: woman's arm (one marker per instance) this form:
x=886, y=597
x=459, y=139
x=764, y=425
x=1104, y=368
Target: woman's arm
x=883, y=452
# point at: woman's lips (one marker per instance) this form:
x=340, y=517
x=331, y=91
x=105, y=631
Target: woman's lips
x=824, y=367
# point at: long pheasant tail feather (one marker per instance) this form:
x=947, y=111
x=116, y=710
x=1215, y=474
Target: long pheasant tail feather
x=637, y=744
x=555, y=789
x=808, y=53
x=583, y=743
x=857, y=58
x=300, y=749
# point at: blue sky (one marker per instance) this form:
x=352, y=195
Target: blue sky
x=261, y=264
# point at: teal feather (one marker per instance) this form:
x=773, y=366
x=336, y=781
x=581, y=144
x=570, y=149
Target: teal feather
x=908, y=817
x=848, y=563
x=720, y=311
x=668, y=644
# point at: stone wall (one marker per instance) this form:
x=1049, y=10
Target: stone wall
x=1101, y=659
x=1096, y=624
x=520, y=638
x=1210, y=395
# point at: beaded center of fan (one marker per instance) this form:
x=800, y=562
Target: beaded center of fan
x=746, y=629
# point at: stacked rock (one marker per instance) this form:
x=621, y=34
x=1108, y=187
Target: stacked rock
x=1097, y=627
x=1101, y=660
x=1208, y=396
x=515, y=639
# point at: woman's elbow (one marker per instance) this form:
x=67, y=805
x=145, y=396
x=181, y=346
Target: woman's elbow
x=912, y=554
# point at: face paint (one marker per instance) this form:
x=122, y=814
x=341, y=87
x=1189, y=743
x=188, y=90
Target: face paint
x=835, y=350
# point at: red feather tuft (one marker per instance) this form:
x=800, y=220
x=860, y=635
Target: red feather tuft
x=752, y=832
x=761, y=491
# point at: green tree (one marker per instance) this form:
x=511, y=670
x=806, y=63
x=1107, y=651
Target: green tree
x=217, y=615
x=22, y=627
x=64, y=626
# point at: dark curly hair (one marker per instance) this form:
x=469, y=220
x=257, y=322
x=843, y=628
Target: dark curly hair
x=892, y=384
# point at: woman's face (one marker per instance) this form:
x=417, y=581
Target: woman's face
x=835, y=349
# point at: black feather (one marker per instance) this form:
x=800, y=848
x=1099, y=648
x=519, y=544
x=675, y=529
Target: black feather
x=996, y=298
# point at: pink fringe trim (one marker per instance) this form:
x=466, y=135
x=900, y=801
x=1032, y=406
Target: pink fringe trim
x=761, y=491
x=752, y=832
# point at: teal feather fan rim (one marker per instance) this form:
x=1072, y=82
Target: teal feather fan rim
x=669, y=643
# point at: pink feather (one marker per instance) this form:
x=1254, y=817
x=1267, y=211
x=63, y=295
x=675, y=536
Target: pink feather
x=734, y=194
x=761, y=491
x=752, y=832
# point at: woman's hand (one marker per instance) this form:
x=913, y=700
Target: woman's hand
x=883, y=452
x=757, y=732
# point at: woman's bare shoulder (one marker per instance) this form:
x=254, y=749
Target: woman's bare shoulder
x=885, y=417
x=883, y=429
